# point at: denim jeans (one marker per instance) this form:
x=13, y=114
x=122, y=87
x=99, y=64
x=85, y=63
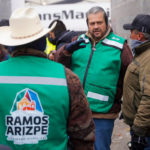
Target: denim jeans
x=103, y=133
x=148, y=140
x=4, y=147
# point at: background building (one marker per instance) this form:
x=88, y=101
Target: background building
x=56, y=2
x=8, y=6
x=5, y=9
x=124, y=11
x=71, y=12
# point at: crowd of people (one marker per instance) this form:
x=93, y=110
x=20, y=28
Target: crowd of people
x=63, y=91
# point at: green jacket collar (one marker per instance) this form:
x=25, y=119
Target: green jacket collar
x=93, y=41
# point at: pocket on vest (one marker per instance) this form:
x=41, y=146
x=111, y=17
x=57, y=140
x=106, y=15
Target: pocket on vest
x=100, y=98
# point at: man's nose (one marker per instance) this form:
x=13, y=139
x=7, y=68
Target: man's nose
x=96, y=25
x=130, y=36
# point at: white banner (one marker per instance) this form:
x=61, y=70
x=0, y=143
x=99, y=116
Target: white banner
x=73, y=15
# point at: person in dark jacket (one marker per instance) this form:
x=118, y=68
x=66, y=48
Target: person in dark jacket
x=59, y=36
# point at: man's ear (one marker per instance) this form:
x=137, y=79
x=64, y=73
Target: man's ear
x=141, y=37
x=87, y=22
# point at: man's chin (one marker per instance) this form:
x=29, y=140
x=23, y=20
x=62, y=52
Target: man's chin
x=97, y=36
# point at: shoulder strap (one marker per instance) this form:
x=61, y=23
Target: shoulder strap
x=114, y=40
x=111, y=43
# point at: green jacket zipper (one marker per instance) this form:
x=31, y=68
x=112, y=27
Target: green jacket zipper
x=87, y=68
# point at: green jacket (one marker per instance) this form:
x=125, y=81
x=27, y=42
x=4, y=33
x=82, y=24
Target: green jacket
x=31, y=117
x=136, y=91
x=98, y=69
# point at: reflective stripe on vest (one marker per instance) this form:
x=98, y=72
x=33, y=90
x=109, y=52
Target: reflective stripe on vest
x=97, y=96
x=113, y=43
x=32, y=80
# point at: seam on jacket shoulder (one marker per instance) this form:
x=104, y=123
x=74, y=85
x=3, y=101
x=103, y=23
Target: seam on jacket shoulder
x=143, y=84
x=68, y=88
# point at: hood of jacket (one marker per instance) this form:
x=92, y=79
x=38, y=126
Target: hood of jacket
x=91, y=38
x=66, y=36
x=63, y=38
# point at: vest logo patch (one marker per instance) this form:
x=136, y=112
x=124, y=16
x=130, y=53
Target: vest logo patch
x=27, y=123
x=115, y=38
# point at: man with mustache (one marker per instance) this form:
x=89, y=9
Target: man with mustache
x=101, y=66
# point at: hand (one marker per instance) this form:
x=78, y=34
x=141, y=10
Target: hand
x=73, y=46
x=51, y=55
x=137, y=142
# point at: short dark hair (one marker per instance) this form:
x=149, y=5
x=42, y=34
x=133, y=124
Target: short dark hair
x=60, y=26
x=95, y=10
